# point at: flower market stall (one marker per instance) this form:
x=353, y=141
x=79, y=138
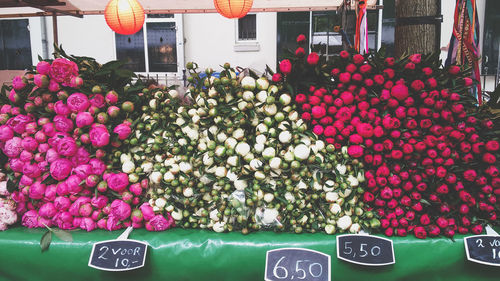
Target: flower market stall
x=321, y=155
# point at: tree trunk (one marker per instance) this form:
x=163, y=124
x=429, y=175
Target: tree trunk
x=416, y=35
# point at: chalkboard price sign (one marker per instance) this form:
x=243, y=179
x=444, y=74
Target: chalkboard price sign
x=365, y=249
x=483, y=249
x=297, y=264
x=118, y=255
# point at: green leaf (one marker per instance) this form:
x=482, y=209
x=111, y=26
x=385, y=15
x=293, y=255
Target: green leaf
x=63, y=235
x=45, y=241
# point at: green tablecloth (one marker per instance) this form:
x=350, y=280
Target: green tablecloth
x=201, y=255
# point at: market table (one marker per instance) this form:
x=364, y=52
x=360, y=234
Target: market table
x=202, y=255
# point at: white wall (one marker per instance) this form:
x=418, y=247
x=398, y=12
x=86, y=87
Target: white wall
x=211, y=40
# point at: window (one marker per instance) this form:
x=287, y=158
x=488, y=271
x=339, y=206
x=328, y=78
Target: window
x=15, y=44
x=491, y=39
x=154, y=47
x=247, y=28
x=326, y=40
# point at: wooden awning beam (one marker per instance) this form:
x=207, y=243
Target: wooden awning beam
x=52, y=10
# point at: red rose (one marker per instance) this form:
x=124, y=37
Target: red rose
x=318, y=112
x=417, y=85
x=300, y=52
x=345, y=77
x=477, y=229
x=401, y=232
x=313, y=58
x=492, y=145
x=467, y=81
x=399, y=92
x=344, y=54
x=389, y=61
x=285, y=67
x=410, y=66
x=432, y=83
x=277, y=77
x=434, y=230
x=301, y=39
x=335, y=72
x=454, y=70
x=365, y=68
x=347, y=97
x=300, y=98
x=355, y=151
x=306, y=116
x=358, y=59
x=350, y=68
x=489, y=158
x=314, y=100
x=420, y=232
x=427, y=71
x=416, y=58
x=306, y=107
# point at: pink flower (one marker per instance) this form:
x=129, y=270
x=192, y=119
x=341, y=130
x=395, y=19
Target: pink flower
x=277, y=77
x=84, y=119
x=19, y=122
x=416, y=58
x=345, y=77
x=78, y=102
x=97, y=100
x=285, y=67
x=399, y=92
x=30, y=219
x=18, y=83
x=318, y=111
x=123, y=131
x=62, y=203
x=32, y=170
x=118, y=182
x=12, y=147
x=47, y=210
x=29, y=144
x=37, y=190
x=62, y=70
x=41, y=81
x=62, y=124
x=73, y=183
x=54, y=86
x=43, y=67
x=99, y=136
x=6, y=133
x=61, y=108
x=318, y=130
x=313, y=58
x=120, y=209
x=88, y=224
x=355, y=151
x=301, y=39
x=147, y=211
x=99, y=202
x=74, y=209
x=160, y=223
x=67, y=147
x=60, y=169
x=81, y=157
x=98, y=167
x=83, y=171
x=14, y=97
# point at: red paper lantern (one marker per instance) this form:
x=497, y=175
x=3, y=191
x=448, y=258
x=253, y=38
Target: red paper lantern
x=124, y=16
x=233, y=9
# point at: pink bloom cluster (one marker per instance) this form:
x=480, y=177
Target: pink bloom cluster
x=60, y=160
x=8, y=215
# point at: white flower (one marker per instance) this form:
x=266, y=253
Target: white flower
x=262, y=83
x=220, y=172
x=262, y=128
x=255, y=164
x=289, y=157
x=275, y=163
x=160, y=202
x=285, y=137
x=355, y=228
x=240, y=184
x=152, y=103
x=176, y=215
x=230, y=143
x=155, y=177
x=269, y=216
x=242, y=148
x=219, y=226
x=329, y=229
x=285, y=99
x=180, y=121
x=242, y=105
x=249, y=157
x=202, y=146
x=320, y=144
x=259, y=175
x=191, y=112
x=352, y=181
x=301, y=152
x=342, y=169
x=270, y=109
x=128, y=167
x=207, y=160
x=268, y=197
x=175, y=169
x=269, y=153
x=173, y=94
x=220, y=150
x=361, y=177
x=233, y=160
x=185, y=167
x=248, y=96
x=182, y=142
x=335, y=208
x=289, y=197
x=147, y=167
x=193, y=134
x=331, y=197
x=248, y=83
x=239, y=134
x=260, y=139
x=258, y=147
x=168, y=176
x=231, y=176
x=187, y=192
x=213, y=215
x=293, y=116
x=302, y=185
x=125, y=157
x=262, y=96
x=344, y=222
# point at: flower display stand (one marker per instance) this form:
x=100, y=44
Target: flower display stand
x=202, y=255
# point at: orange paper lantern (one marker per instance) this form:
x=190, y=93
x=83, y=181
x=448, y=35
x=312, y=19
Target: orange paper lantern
x=124, y=16
x=233, y=9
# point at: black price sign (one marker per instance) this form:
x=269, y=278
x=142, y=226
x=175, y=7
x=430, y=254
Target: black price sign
x=297, y=264
x=365, y=249
x=483, y=249
x=118, y=255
